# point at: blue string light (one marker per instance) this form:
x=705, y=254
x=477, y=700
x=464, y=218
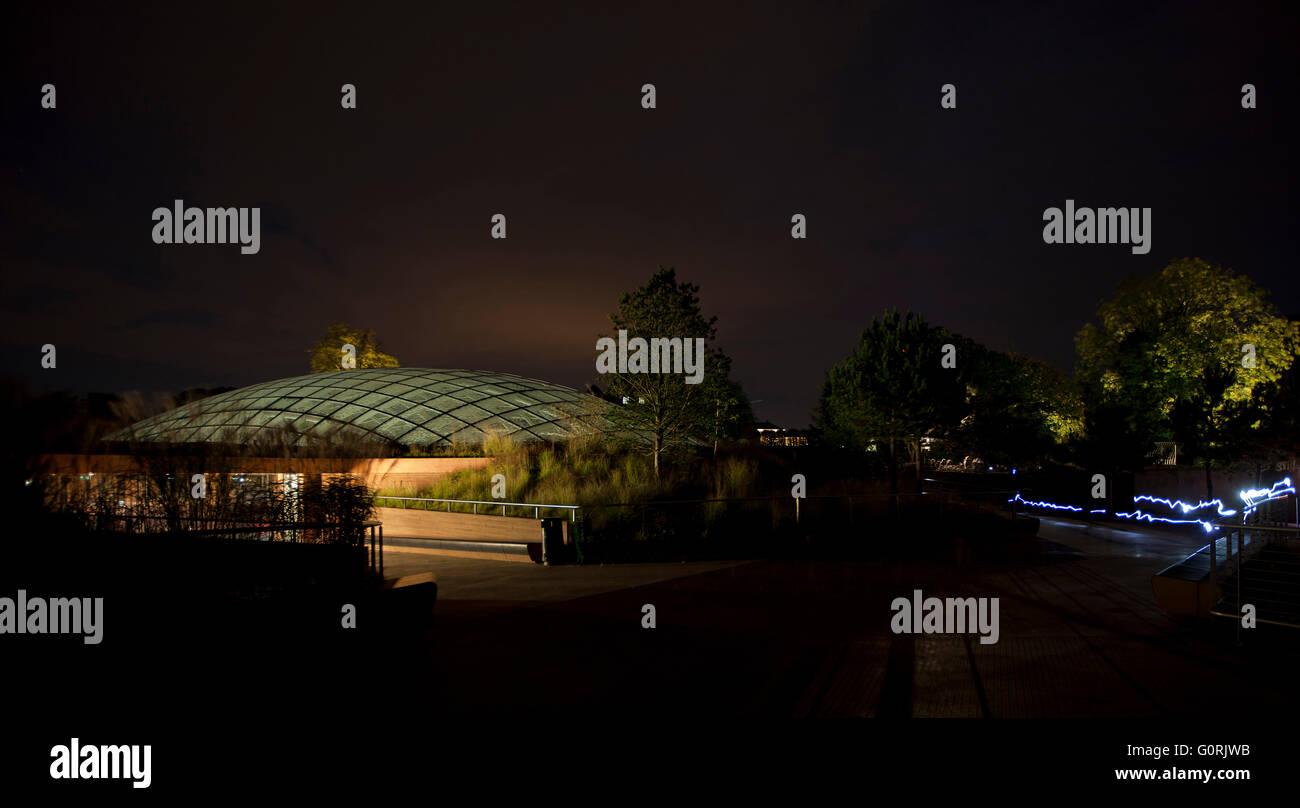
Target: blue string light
x=1178, y=503
x=1252, y=497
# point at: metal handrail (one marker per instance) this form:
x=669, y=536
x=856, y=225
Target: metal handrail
x=575, y=510
x=1234, y=561
x=1264, y=528
x=537, y=507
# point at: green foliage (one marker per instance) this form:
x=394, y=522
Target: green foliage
x=894, y=390
x=735, y=477
x=1018, y=409
x=891, y=385
x=342, y=503
x=891, y=390
x=326, y=355
x=1156, y=337
x=451, y=450
x=580, y=472
x=1207, y=424
x=664, y=413
x=1164, y=361
x=1277, y=435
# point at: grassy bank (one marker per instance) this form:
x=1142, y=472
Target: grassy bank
x=735, y=505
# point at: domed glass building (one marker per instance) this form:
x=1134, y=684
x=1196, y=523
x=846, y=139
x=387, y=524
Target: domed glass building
x=405, y=406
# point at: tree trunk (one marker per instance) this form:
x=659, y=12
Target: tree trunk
x=893, y=469
x=920, y=477
x=717, y=415
x=658, y=448
x=1209, y=430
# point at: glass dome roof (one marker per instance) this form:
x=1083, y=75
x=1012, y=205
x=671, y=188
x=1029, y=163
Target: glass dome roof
x=407, y=406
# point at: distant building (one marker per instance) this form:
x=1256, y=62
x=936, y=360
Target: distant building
x=769, y=434
x=1164, y=454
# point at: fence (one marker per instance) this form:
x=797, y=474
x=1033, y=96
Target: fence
x=292, y=532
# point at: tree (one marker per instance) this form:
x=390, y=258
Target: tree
x=891, y=391
x=1273, y=431
x=1156, y=340
x=896, y=389
x=661, y=412
x=1019, y=409
x=1053, y=394
x=733, y=414
x=1208, y=425
x=329, y=353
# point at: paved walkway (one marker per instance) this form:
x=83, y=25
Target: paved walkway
x=1080, y=635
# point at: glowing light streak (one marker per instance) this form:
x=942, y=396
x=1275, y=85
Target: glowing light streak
x=1147, y=517
x=1018, y=498
x=1184, y=507
x=1252, y=497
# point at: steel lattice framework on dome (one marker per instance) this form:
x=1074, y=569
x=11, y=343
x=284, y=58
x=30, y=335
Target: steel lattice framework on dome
x=406, y=406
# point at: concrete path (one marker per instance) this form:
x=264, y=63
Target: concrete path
x=1080, y=635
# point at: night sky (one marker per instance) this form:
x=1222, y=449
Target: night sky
x=380, y=216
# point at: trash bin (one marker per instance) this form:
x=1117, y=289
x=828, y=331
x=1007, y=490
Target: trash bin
x=557, y=547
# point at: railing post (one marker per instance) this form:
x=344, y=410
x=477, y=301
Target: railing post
x=1238, y=618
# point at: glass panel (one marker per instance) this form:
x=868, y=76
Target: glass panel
x=371, y=419
x=418, y=395
x=445, y=404
x=525, y=418
x=395, y=428
x=470, y=413
x=348, y=413
x=419, y=414
x=393, y=406
x=349, y=395
x=328, y=407
x=373, y=399
x=468, y=435
x=445, y=425
x=497, y=426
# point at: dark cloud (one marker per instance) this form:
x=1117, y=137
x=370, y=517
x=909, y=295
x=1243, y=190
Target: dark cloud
x=194, y=318
x=380, y=216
